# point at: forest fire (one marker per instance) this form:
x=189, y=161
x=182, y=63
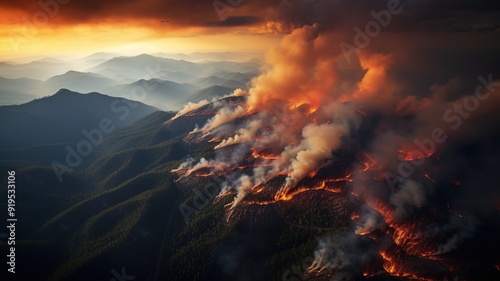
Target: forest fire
x=406, y=244
x=412, y=154
x=397, y=221
x=393, y=266
x=265, y=156
x=362, y=142
x=323, y=186
x=304, y=140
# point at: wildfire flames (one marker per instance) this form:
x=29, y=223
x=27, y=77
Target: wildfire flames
x=298, y=129
x=412, y=154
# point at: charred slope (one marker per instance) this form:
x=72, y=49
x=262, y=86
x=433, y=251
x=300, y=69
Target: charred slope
x=124, y=208
x=418, y=227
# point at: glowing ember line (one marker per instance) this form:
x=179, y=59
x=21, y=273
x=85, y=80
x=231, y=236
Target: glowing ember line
x=412, y=154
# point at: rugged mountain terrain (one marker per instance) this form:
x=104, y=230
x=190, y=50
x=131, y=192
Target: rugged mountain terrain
x=167, y=83
x=124, y=210
x=62, y=117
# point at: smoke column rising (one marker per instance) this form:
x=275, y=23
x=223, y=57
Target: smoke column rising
x=307, y=105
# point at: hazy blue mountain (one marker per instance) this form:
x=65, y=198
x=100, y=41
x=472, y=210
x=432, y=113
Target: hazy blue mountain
x=163, y=94
x=237, y=76
x=19, y=84
x=217, y=81
x=117, y=76
x=94, y=60
x=17, y=91
x=61, y=118
x=50, y=60
x=178, y=76
x=14, y=97
x=40, y=69
x=230, y=66
x=226, y=79
x=212, y=56
x=209, y=93
x=99, y=56
x=146, y=67
x=79, y=82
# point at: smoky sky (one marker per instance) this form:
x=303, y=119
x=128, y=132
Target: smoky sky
x=181, y=13
x=429, y=58
x=420, y=15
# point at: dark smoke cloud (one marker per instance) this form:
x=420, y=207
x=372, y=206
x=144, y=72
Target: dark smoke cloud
x=421, y=16
x=400, y=99
x=342, y=256
x=177, y=13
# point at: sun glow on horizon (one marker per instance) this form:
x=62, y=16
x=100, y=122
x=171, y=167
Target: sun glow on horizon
x=18, y=40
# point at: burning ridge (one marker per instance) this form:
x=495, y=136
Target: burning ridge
x=300, y=129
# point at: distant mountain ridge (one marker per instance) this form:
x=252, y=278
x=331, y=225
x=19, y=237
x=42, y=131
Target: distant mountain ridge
x=124, y=205
x=61, y=117
x=164, y=94
x=119, y=75
x=146, y=66
x=18, y=90
x=79, y=81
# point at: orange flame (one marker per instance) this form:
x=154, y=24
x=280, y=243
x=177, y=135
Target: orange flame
x=412, y=154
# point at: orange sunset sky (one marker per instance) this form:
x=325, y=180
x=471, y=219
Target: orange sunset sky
x=76, y=27
x=72, y=27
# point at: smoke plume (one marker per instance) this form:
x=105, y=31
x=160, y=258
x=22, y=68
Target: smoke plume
x=429, y=144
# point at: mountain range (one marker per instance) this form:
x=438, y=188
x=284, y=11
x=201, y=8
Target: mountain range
x=122, y=206
x=119, y=76
x=60, y=118
x=121, y=209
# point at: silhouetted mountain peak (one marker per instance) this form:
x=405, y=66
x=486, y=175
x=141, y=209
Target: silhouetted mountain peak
x=65, y=91
x=62, y=116
x=92, y=96
x=75, y=74
x=99, y=55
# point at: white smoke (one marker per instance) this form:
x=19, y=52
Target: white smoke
x=370, y=220
x=411, y=195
